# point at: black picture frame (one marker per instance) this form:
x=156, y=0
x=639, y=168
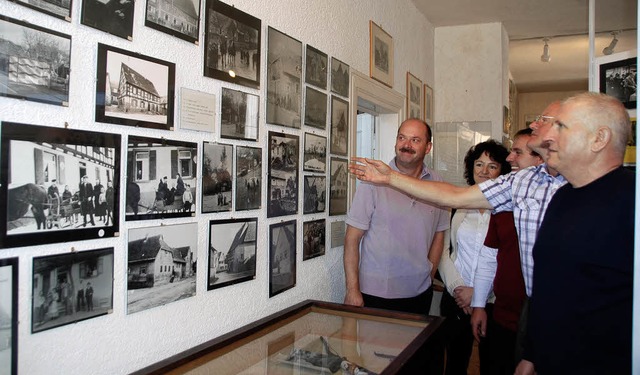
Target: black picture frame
x=36, y=63
x=161, y=265
x=315, y=194
x=316, y=68
x=239, y=115
x=61, y=10
x=284, y=72
x=217, y=181
x=161, y=178
x=72, y=287
x=339, y=77
x=339, y=138
x=33, y=157
x=248, y=178
x=113, y=17
x=284, y=155
x=315, y=108
x=282, y=257
x=313, y=238
x=181, y=20
x=338, y=186
x=619, y=79
x=147, y=98
x=315, y=153
x=9, y=307
x=232, y=252
x=238, y=30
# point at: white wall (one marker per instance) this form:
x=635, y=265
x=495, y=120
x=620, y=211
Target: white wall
x=121, y=343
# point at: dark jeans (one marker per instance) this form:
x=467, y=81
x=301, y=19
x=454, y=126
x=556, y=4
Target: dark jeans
x=501, y=349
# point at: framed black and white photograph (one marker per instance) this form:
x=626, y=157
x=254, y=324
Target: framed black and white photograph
x=134, y=90
x=114, y=17
x=248, y=178
x=35, y=62
x=338, y=187
x=232, y=45
x=315, y=153
x=59, y=9
x=232, y=252
x=46, y=185
x=339, y=126
x=68, y=288
x=339, y=77
x=284, y=151
x=414, y=97
x=315, y=109
x=161, y=178
x=217, y=184
x=315, y=193
x=316, y=68
x=313, y=238
x=619, y=79
x=180, y=19
x=239, y=115
x=282, y=257
x=428, y=105
x=380, y=55
x=9, y=316
x=284, y=83
x=161, y=265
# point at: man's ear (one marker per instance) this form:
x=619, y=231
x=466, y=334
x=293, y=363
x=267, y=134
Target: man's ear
x=602, y=138
x=429, y=147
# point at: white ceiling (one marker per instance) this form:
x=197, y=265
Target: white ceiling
x=566, y=22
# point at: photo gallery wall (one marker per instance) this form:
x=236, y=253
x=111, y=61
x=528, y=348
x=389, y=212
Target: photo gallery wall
x=74, y=184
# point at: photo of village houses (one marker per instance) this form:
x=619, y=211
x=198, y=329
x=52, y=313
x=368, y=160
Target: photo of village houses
x=217, y=184
x=71, y=287
x=232, y=252
x=282, y=257
x=283, y=174
x=161, y=265
x=284, y=73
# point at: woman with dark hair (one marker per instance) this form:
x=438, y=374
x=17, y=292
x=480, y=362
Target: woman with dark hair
x=484, y=161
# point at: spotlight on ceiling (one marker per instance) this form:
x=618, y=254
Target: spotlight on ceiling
x=609, y=49
x=546, y=57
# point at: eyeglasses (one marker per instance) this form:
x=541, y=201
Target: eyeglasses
x=544, y=119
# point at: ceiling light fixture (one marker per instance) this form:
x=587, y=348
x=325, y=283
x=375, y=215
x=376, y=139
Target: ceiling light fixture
x=546, y=57
x=609, y=49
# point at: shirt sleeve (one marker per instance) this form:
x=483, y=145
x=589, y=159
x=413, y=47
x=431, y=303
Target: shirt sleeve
x=448, y=271
x=487, y=266
x=498, y=192
x=362, y=207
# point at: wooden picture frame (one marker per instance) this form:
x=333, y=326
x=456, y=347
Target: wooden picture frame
x=239, y=115
x=415, y=100
x=217, y=181
x=619, y=79
x=282, y=256
x=284, y=69
x=338, y=186
x=181, y=21
x=9, y=306
x=248, y=178
x=113, y=17
x=313, y=238
x=284, y=156
x=380, y=55
x=339, y=137
x=428, y=105
x=232, y=252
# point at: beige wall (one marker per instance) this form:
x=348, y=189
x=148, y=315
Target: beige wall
x=534, y=103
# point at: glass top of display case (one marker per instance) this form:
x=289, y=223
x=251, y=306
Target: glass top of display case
x=310, y=338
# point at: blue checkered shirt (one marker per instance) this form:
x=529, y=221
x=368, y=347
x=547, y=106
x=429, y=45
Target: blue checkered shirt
x=527, y=193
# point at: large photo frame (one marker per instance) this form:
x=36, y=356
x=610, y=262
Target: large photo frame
x=60, y=10
x=72, y=287
x=619, y=79
x=380, y=55
x=338, y=186
x=414, y=97
x=284, y=155
x=239, y=115
x=313, y=238
x=181, y=20
x=134, y=90
x=161, y=178
x=232, y=252
x=161, y=265
x=36, y=63
x=339, y=126
x=217, y=184
x=46, y=188
x=232, y=45
x=315, y=153
x=113, y=17
x=284, y=69
x=9, y=315
x=248, y=178
x=282, y=257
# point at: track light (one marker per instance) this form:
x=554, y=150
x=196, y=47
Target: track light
x=546, y=57
x=609, y=49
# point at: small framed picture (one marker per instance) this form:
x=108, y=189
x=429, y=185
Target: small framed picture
x=60, y=9
x=282, y=257
x=69, y=288
x=315, y=109
x=428, y=105
x=339, y=126
x=9, y=309
x=313, y=238
x=338, y=187
x=232, y=45
x=161, y=178
x=35, y=62
x=315, y=192
x=284, y=151
x=618, y=79
x=284, y=69
x=161, y=265
x=134, y=90
x=180, y=20
x=113, y=17
x=380, y=55
x=239, y=115
x=339, y=77
x=217, y=184
x=248, y=178
x=47, y=185
x=316, y=68
x=414, y=97
x=232, y=252
x=315, y=153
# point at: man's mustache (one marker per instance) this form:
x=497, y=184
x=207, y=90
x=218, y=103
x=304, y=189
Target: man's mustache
x=409, y=150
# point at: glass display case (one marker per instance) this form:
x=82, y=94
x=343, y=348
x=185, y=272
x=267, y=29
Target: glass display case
x=314, y=337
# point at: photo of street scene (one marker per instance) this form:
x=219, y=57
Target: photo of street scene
x=338, y=187
x=282, y=257
x=316, y=68
x=180, y=18
x=217, y=184
x=248, y=178
x=232, y=252
x=339, y=126
x=315, y=188
x=284, y=72
x=283, y=174
x=239, y=117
